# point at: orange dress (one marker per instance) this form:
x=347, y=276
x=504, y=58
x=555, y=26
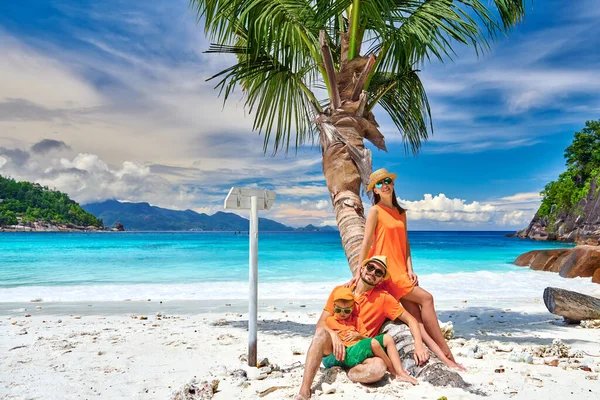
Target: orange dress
x=390, y=241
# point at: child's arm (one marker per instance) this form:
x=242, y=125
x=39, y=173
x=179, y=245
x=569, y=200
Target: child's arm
x=359, y=333
x=421, y=354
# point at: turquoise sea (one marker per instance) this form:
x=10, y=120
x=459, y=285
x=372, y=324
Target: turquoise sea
x=203, y=265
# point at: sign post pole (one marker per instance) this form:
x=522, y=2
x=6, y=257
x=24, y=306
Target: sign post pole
x=253, y=200
x=253, y=280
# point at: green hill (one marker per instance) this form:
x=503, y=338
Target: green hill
x=30, y=202
x=570, y=208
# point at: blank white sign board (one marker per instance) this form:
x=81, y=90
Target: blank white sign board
x=239, y=198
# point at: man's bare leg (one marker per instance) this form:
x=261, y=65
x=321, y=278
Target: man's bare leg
x=320, y=345
x=370, y=371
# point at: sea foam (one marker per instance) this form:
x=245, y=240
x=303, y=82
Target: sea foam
x=480, y=285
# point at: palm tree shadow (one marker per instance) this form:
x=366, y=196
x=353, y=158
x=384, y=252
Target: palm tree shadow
x=280, y=328
x=504, y=325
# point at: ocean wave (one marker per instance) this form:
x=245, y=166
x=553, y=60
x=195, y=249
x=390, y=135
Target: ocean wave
x=462, y=285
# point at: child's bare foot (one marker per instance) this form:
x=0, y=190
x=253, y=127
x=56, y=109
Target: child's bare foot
x=406, y=378
x=455, y=365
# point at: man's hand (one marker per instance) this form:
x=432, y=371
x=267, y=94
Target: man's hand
x=352, y=335
x=414, y=279
x=421, y=355
x=339, y=350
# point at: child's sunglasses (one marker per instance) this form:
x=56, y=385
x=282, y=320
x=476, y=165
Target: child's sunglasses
x=387, y=181
x=338, y=310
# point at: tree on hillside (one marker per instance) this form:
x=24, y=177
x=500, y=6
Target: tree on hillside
x=583, y=164
x=363, y=53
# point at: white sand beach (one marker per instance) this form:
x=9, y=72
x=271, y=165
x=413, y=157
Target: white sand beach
x=105, y=351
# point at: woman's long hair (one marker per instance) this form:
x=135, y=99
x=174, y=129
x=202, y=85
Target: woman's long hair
x=377, y=199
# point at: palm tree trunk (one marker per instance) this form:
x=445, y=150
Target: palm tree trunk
x=343, y=181
x=346, y=161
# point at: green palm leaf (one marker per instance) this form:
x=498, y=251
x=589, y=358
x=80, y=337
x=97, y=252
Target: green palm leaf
x=403, y=97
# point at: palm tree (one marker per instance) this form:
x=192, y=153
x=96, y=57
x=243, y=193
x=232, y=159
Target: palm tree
x=363, y=53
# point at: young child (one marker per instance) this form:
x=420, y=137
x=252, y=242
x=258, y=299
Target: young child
x=346, y=323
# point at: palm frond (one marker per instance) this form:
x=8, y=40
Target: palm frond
x=403, y=97
x=282, y=104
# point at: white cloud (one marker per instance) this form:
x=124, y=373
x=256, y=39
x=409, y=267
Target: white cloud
x=523, y=197
x=28, y=74
x=441, y=208
x=508, y=212
x=316, y=204
x=3, y=161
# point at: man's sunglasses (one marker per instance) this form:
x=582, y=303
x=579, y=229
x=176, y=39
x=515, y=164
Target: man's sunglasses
x=378, y=272
x=339, y=310
x=387, y=181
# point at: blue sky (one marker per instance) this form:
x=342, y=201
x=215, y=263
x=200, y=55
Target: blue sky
x=114, y=94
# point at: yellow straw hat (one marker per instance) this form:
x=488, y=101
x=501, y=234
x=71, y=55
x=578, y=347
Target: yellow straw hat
x=378, y=175
x=382, y=261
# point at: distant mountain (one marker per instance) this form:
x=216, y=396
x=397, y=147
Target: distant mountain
x=312, y=228
x=144, y=217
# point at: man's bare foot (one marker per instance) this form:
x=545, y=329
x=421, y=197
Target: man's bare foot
x=301, y=397
x=406, y=378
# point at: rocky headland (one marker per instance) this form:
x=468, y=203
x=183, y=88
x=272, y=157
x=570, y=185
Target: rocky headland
x=579, y=224
x=582, y=261
x=40, y=226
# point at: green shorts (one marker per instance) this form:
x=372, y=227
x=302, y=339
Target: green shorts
x=354, y=354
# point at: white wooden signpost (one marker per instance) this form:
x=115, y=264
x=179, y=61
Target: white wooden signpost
x=253, y=200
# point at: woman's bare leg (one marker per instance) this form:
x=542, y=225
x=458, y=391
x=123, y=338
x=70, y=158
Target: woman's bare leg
x=424, y=311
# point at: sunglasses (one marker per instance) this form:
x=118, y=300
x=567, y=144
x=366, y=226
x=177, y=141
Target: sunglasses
x=339, y=310
x=378, y=272
x=386, y=181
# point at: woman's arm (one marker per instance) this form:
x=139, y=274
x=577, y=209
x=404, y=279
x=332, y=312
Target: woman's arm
x=414, y=279
x=367, y=242
x=370, y=226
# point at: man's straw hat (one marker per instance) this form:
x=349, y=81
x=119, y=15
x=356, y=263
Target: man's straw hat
x=378, y=175
x=381, y=261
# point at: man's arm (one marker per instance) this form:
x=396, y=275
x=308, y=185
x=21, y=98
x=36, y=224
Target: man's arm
x=421, y=354
x=339, y=350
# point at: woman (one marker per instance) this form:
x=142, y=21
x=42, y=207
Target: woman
x=386, y=234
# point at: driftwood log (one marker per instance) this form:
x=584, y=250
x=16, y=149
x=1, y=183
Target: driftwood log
x=434, y=372
x=573, y=306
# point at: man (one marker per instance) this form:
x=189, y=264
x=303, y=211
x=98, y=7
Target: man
x=375, y=306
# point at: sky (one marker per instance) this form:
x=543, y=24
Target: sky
x=109, y=100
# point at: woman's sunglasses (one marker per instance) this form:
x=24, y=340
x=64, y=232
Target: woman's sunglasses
x=387, y=181
x=339, y=310
x=378, y=272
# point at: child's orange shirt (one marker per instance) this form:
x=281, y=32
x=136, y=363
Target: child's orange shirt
x=342, y=326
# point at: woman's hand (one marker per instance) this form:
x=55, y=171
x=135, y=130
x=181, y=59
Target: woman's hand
x=414, y=279
x=421, y=355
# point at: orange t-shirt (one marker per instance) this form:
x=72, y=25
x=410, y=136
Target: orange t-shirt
x=374, y=307
x=344, y=325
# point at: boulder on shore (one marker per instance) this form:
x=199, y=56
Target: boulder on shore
x=583, y=261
